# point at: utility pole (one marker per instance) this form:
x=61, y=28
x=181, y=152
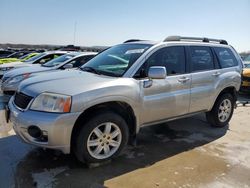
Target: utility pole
x=75, y=33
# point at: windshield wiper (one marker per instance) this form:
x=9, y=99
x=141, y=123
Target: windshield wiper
x=90, y=69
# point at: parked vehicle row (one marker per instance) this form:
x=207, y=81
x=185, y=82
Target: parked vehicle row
x=96, y=110
x=14, y=59
x=38, y=59
x=5, y=53
x=12, y=79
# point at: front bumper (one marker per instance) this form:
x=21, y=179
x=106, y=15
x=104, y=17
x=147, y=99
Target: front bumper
x=9, y=88
x=57, y=126
x=2, y=73
x=7, y=93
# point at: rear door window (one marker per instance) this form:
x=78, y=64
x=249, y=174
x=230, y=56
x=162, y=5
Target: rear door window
x=201, y=58
x=226, y=57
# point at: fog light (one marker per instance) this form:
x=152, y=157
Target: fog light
x=34, y=131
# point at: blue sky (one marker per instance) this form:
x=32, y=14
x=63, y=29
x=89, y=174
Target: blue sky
x=111, y=21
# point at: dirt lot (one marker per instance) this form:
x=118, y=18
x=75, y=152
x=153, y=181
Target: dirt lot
x=183, y=153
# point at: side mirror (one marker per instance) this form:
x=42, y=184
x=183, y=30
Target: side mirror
x=157, y=72
x=68, y=66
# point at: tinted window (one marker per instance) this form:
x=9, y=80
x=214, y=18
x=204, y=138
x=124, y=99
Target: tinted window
x=201, y=58
x=226, y=57
x=81, y=60
x=173, y=58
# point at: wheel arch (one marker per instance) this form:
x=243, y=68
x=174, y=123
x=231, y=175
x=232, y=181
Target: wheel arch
x=121, y=108
x=230, y=89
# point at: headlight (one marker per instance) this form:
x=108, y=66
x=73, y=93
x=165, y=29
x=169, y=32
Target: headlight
x=17, y=79
x=6, y=68
x=50, y=102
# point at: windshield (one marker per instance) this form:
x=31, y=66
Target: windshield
x=34, y=58
x=24, y=56
x=116, y=61
x=59, y=60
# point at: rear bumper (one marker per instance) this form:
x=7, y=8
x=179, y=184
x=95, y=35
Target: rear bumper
x=245, y=84
x=245, y=89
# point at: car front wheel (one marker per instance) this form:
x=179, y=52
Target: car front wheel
x=101, y=138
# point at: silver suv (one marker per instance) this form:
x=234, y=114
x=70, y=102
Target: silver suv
x=96, y=110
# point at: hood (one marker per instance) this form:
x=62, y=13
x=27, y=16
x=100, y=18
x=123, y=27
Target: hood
x=24, y=70
x=68, y=82
x=12, y=64
x=25, y=65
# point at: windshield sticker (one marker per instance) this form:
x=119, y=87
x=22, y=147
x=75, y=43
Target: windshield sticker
x=135, y=51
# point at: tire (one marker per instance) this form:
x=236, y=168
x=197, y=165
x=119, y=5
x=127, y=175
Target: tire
x=219, y=116
x=92, y=138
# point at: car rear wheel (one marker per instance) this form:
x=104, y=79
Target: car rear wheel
x=222, y=111
x=101, y=138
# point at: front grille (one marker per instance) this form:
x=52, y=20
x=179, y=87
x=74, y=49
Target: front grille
x=21, y=100
x=9, y=92
x=245, y=78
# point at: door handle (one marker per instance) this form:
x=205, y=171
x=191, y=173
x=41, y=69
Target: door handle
x=216, y=74
x=183, y=79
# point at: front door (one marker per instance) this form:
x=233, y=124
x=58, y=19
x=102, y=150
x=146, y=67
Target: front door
x=169, y=97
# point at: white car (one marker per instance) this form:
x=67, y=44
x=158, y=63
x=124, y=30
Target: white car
x=73, y=60
x=38, y=59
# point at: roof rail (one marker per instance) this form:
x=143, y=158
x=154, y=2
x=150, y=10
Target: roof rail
x=132, y=40
x=179, y=38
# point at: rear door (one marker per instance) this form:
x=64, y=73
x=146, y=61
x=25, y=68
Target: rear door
x=205, y=73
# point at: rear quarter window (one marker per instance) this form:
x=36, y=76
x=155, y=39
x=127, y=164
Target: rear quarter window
x=226, y=57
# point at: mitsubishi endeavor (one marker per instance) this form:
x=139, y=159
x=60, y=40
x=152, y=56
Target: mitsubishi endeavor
x=96, y=110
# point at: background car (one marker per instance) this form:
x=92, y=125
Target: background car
x=22, y=58
x=247, y=59
x=245, y=86
x=18, y=54
x=38, y=59
x=5, y=53
x=12, y=78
